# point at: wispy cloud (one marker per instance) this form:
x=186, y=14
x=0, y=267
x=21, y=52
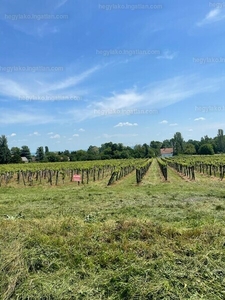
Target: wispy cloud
x=173, y=124
x=13, y=134
x=120, y=100
x=163, y=122
x=61, y=3
x=48, y=91
x=10, y=88
x=199, y=119
x=214, y=15
x=160, y=94
x=81, y=130
x=167, y=55
x=121, y=124
x=56, y=136
x=36, y=133
x=156, y=95
x=75, y=135
x=72, y=81
x=8, y=117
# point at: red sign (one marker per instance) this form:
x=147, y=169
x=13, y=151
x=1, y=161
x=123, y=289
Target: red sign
x=76, y=177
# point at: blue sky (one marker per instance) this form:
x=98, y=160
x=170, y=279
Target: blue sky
x=86, y=72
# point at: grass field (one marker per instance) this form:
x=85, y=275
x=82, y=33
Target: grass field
x=157, y=240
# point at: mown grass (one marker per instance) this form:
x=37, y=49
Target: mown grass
x=158, y=240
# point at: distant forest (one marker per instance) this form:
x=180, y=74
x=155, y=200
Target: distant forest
x=111, y=150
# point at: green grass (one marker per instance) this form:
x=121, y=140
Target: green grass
x=158, y=240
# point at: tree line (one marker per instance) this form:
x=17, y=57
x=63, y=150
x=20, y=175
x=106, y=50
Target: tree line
x=111, y=150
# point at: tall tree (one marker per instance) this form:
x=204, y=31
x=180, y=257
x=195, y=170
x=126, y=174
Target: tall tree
x=208, y=140
x=220, y=141
x=5, y=155
x=166, y=144
x=40, y=155
x=15, y=155
x=139, y=152
x=156, y=145
x=93, y=152
x=178, y=143
x=25, y=152
x=46, y=149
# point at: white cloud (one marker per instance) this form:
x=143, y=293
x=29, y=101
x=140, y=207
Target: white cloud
x=199, y=119
x=15, y=117
x=36, y=133
x=190, y=130
x=10, y=88
x=13, y=134
x=173, y=124
x=125, y=124
x=46, y=91
x=81, y=129
x=159, y=94
x=119, y=101
x=50, y=133
x=163, y=122
x=72, y=81
x=56, y=136
x=76, y=135
x=214, y=15
x=167, y=55
x=61, y=3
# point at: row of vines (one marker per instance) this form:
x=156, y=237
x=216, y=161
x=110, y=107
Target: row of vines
x=60, y=173
x=202, y=164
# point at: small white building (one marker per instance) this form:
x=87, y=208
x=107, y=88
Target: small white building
x=166, y=152
x=24, y=160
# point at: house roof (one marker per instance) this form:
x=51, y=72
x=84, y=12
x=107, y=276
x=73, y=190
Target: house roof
x=24, y=159
x=166, y=151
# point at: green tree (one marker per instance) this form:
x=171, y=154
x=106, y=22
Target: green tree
x=40, y=155
x=93, y=153
x=124, y=154
x=52, y=156
x=166, y=144
x=15, y=155
x=220, y=141
x=66, y=152
x=81, y=155
x=46, y=150
x=156, y=145
x=5, y=155
x=178, y=143
x=25, y=152
x=208, y=140
x=206, y=149
x=189, y=149
x=195, y=143
x=139, y=152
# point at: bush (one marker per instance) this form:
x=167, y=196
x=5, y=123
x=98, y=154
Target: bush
x=206, y=149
